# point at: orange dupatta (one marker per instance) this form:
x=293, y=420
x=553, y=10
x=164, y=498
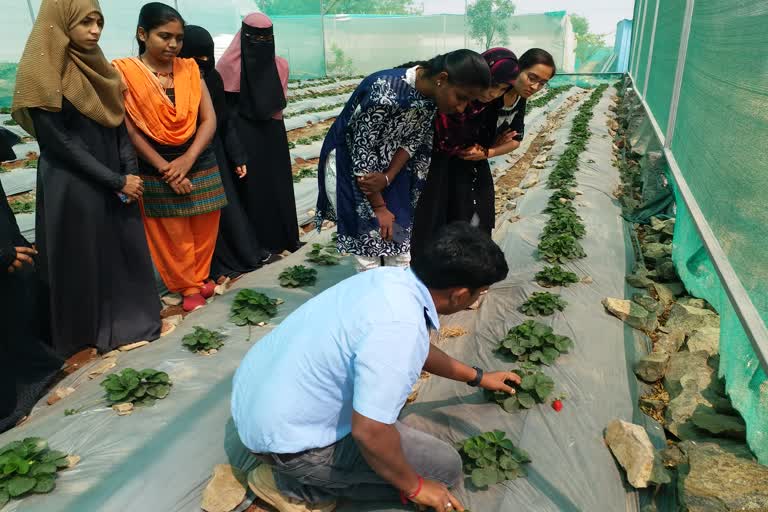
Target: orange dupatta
x=150, y=108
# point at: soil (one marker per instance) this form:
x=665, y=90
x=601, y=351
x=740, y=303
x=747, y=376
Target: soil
x=300, y=164
x=310, y=130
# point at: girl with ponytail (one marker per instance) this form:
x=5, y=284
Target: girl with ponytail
x=376, y=156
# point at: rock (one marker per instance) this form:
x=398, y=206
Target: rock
x=639, y=280
x=670, y=342
x=225, y=491
x=688, y=319
x=123, y=409
x=654, y=253
x=693, y=302
x=109, y=355
x=649, y=303
x=632, y=447
x=718, y=481
x=676, y=287
x=633, y=314
x=103, y=367
x=665, y=294
x=719, y=425
x=687, y=370
x=510, y=205
x=537, y=166
x=58, y=394
x=529, y=182
x=652, y=367
x=133, y=346
x=657, y=224
x=515, y=192
x=587, y=280
x=72, y=461
x=172, y=300
x=666, y=271
x=654, y=404
x=679, y=412
x=673, y=456
x=652, y=238
x=706, y=339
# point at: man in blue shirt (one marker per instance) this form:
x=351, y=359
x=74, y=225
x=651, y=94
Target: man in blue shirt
x=319, y=397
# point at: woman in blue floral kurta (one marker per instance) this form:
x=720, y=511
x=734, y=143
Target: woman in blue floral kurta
x=383, y=138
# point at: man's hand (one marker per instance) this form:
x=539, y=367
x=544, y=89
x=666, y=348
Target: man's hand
x=497, y=381
x=436, y=496
x=23, y=257
x=372, y=183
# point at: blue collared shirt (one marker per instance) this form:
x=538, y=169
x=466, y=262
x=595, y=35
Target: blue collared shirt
x=359, y=345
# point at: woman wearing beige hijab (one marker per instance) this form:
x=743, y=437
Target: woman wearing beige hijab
x=93, y=255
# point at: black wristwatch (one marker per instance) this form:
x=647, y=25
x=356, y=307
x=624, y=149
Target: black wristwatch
x=478, y=378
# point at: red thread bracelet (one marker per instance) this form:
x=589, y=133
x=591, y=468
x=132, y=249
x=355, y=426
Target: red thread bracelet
x=406, y=498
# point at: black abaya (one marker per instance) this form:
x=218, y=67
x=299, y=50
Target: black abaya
x=93, y=257
x=456, y=190
x=27, y=364
x=267, y=191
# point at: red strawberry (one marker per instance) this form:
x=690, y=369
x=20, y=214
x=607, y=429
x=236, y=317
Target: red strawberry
x=557, y=405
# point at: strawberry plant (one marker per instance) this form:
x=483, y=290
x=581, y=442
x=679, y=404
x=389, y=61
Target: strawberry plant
x=306, y=172
x=203, y=340
x=312, y=110
x=558, y=208
x=534, y=342
x=534, y=388
x=560, y=248
x=29, y=467
x=543, y=304
x=490, y=458
x=324, y=254
x=563, y=193
x=565, y=224
x=298, y=276
x=556, y=276
x=252, y=308
x=138, y=388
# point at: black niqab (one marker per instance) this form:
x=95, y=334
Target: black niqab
x=261, y=92
x=198, y=45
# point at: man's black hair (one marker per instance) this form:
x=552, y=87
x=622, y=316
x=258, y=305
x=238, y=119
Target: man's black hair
x=460, y=256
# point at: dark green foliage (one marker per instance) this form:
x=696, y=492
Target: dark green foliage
x=543, y=304
x=321, y=94
x=564, y=222
x=490, y=458
x=535, y=388
x=138, y=388
x=298, y=276
x=18, y=207
x=312, y=110
x=560, y=248
x=556, y=276
x=252, y=308
x=28, y=466
x=203, y=340
x=306, y=172
x=551, y=94
x=534, y=342
x=326, y=255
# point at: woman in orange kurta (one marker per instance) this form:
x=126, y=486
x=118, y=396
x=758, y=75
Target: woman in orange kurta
x=171, y=122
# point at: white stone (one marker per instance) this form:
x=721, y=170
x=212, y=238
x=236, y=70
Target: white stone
x=632, y=447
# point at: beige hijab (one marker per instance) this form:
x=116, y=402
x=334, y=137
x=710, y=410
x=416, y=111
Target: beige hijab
x=51, y=69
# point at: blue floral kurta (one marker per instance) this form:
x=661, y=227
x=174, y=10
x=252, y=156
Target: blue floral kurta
x=384, y=114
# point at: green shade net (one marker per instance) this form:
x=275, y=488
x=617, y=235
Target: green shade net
x=719, y=145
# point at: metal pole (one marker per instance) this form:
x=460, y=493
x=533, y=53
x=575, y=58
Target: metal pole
x=681, y=57
x=322, y=29
x=31, y=11
x=650, y=49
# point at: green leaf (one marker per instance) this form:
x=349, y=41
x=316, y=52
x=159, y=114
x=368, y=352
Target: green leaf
x=10, y=447
x=62, y=463
x=528, y=382
x=53, y=456
x=159, y=391
x=160, y=378
x=35, y=445
x=19, y=485
x=520, y=455
x=484, y=477
x=4, y=498
x=45, y=484
x=511, y=404
x=563, y=343
x=526, y=400
x=506, y=462
x=474, y=453
x=117, y=396
x=140, y=391
x=549, y=355
x=544, y=387
x=45, y=468
x=129, y=381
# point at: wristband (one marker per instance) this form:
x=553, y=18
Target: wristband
x=478, y=378
x=405, y=498
x=387, y=178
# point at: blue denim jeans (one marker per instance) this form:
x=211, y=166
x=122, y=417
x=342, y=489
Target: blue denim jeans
x=340, y=470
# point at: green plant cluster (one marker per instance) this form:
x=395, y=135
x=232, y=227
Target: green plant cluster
x=312, y=110
x=306, y=172
x=306, y=84
x=321, y=94
x=543, y=304
x=490, y=458
x=534, y=388
x=560, y=248
x=297, y=277
x=252, y=308
x=28, y=467
x=534, y=342
x=10, y=122
x=139, y=388
x=324, y=254
x=18, y=207
x=203, y=340
x=309, y=140
x=556, y=275
x=542, y=100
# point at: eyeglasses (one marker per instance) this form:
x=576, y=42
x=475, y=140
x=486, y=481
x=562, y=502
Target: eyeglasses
x=534, y=79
